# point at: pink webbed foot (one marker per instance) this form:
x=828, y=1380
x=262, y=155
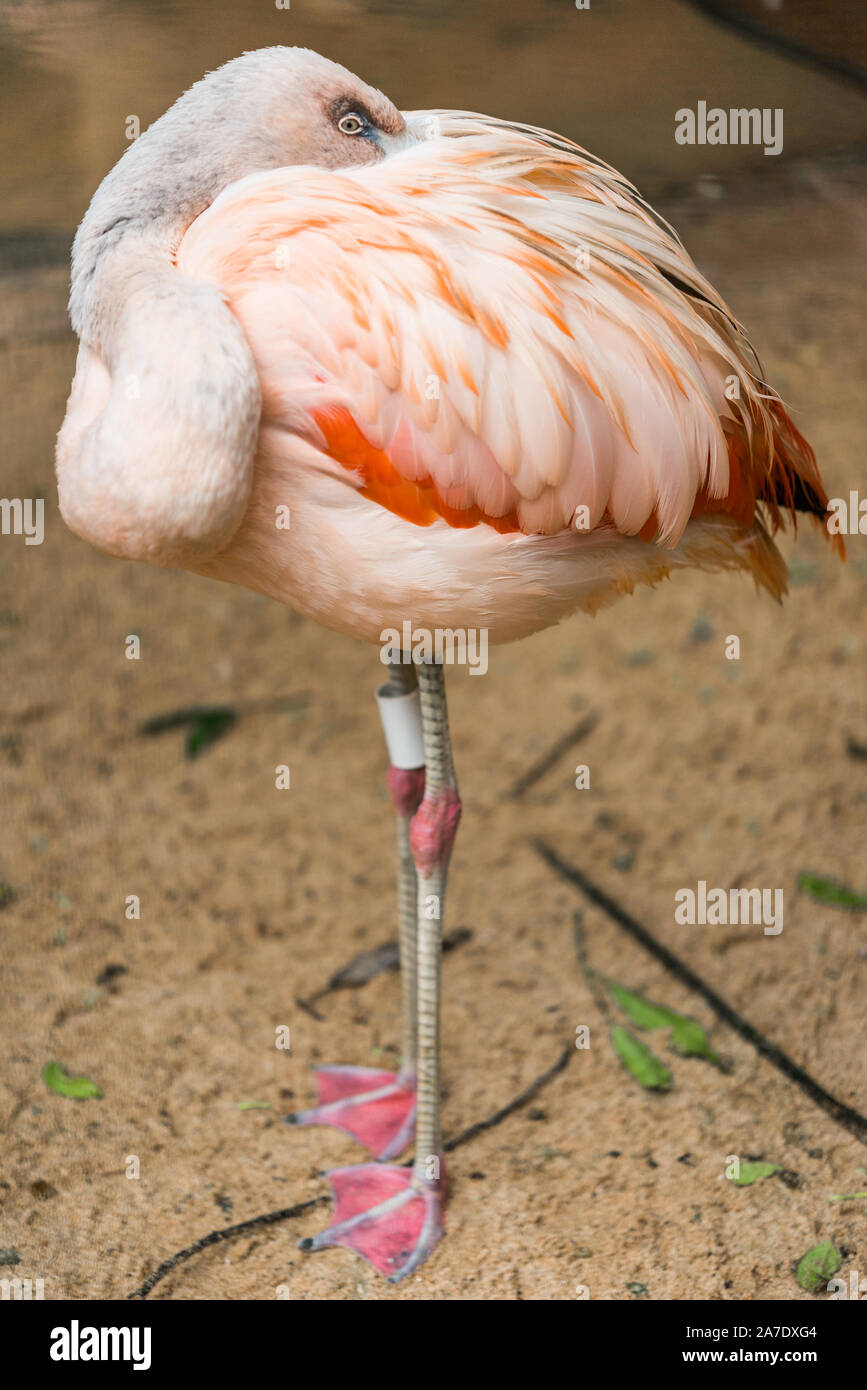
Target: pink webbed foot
x=386, y=1215
x=375, y=1107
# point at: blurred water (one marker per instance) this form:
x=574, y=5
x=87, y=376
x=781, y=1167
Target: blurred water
x=611, y=76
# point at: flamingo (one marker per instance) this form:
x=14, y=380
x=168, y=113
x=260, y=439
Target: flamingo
x=428, y=368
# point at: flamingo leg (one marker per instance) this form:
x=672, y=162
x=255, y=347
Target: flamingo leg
x=432, y=836
x=391, y=1215
x=406, y=787
x=378, y=1107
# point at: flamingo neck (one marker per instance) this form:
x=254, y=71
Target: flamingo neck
x=157, y=462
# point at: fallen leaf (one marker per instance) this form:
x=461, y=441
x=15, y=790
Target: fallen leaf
x=751, y=1172
x=831, y=893
x=818, y=1266
x=206, y=723
x=686, y=1037
x=57, y=1079
x=206, y=729
x=638, y=1060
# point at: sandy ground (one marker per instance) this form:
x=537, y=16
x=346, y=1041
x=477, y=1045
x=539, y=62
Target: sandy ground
x=701, y=768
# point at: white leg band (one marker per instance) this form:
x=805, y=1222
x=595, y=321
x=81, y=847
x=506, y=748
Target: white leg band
x=401, y=724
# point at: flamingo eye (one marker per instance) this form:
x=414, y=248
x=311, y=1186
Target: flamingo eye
x=351, y=123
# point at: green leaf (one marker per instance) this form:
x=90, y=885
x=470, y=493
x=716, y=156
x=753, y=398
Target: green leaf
x=255, y=1105
x=848, y=1197
x=690, y=1040
x=832, y=893
x=206, y=723
x=639, y=1061
x=687, y=1037
x=206, y=728
x=57, y=1079
x=818, y=1266
x=751, y=1172
x=641, y=1012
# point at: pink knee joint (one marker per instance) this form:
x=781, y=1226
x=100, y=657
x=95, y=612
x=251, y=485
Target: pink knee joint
x=433, y=829
x=406, y=786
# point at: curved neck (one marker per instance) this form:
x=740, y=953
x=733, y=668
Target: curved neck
x=159, y=465
x=133, y=227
